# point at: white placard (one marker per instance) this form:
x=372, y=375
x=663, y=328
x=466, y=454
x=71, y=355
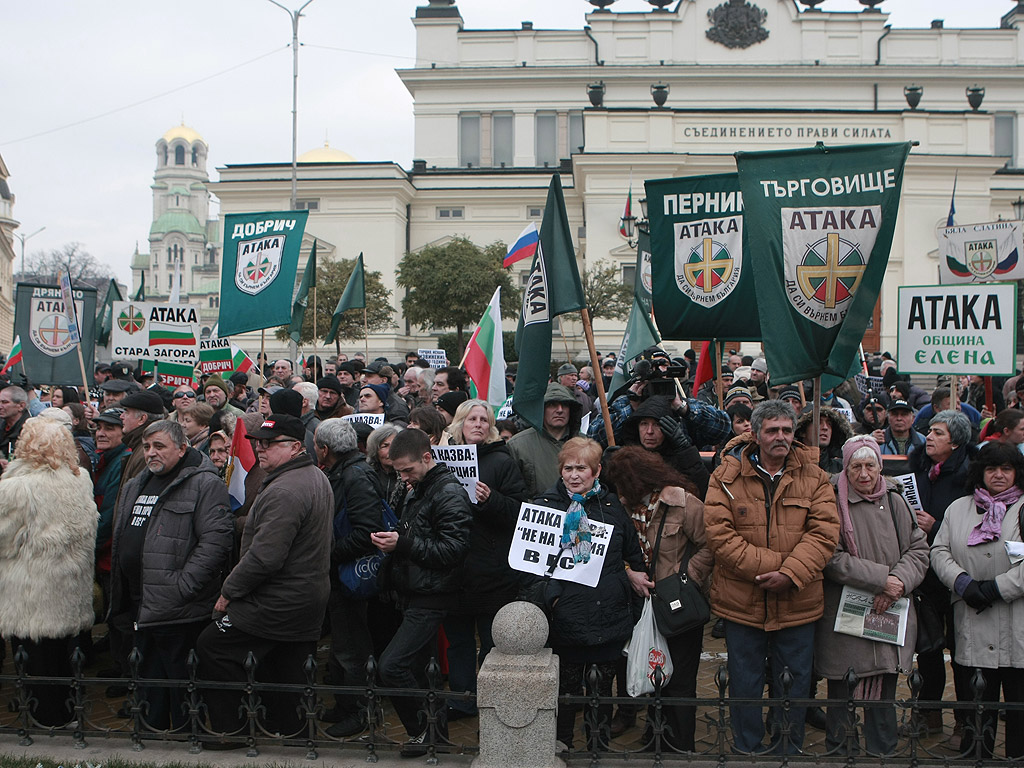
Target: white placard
x=910, y=493
x=964, y=329
x=373, y=419
x=150, y=330
x=436, y=357
x=462, y=461
x=505, y=412
x=535, y=545
x=845, y=412
x=976, y=253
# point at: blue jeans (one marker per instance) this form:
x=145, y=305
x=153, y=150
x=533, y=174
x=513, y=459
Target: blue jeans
x=748, y=648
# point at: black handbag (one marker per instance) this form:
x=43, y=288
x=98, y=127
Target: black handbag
x=679, y=604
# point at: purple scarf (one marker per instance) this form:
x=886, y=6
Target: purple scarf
x=991, y=525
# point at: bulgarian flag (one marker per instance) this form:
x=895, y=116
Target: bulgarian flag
x=14, y=358
x=485, y=356
x=627, y=212
x=163, y=333
x=242, y=461
x=242, y=362
x=176, y=374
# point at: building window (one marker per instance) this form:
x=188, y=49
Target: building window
x=179, y=155
x=469, y=141
x=451, y=213
x=312, y=204
x=534, y=211
x=547, y=139
x=502, y=139
x=575, y=132
x=1006, y=137
x=629, y=273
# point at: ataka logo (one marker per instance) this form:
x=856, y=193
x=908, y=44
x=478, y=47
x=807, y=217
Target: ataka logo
x=981, y=257
x=48, y=327
x=709, y=258
x=535, y=297
x=826, y=252
x=131, y=320
x=258, y=263
x=646, y=278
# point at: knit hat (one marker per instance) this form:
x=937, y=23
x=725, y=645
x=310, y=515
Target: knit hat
x=216, y=381
x=239, y=378
x=736, y=392
x=383, y=391
x=331, y=383
x=790, y=391
x=759, y=364
x=566, y=368
x=450, y=401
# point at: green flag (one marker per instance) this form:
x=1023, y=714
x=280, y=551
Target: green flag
x=824, y=218
x=703, y=282
x=301, y=300
x=353, y=297
x=140, y=295
x=105, y=319
x=640, y=331
x=40, y=321
x=261, y=257
x=552, y=289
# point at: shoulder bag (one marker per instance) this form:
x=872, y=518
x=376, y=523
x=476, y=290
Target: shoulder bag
x=679, y=605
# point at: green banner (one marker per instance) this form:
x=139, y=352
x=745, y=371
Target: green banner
x=640, y=331
x=644, y=278
x=824, y=219
x=261, y=257
x=702, y=276
x=41, y=323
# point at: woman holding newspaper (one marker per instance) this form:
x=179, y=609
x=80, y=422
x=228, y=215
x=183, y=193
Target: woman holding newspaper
x=882, y=556
x=978, y=554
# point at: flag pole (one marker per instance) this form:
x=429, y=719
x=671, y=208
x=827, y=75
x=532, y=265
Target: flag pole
x=718, y=369
x=589, y=332
x=263, y=357
x=315, y=353
x=366, y=333
x=816, y=413
x=561, y=330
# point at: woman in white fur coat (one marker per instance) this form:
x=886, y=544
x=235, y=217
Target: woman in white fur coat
x=48, y=524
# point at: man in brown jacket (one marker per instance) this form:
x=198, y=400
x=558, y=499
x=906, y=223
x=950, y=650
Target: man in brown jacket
x=772, y=525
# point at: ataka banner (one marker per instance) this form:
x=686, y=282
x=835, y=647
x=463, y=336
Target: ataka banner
x=149, y=330
x=703, y=283
x=215, y=356
x=41, y=322
x=981, y=253
x=261, y=257
x=824, y=218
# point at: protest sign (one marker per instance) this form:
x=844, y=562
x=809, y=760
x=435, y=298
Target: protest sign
x=373, y=419
x=41, y=317
x=462, y=461
x=535, y=546
x=958, y=329
x=148, y=330
x=436, y=357
x=976, y=253
x=215, y=356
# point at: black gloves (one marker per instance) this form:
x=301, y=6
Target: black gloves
x=981, y=594
x=675, y=433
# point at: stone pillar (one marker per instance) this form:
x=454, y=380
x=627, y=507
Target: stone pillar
x=517, y=693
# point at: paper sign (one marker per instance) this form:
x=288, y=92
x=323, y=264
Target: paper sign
x=847, y=412
x=373, y=419
x=462, y=461
x=535, y=545
x=505, y=412
x=152, y=330
x=436, y=357
x=910, y=490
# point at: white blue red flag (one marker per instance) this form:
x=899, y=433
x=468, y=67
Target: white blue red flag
x=524, y=247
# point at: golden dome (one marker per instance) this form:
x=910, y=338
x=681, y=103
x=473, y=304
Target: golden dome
x=183, y=132
x=325, y=154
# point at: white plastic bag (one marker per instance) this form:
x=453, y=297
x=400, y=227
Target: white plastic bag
x=646, y=650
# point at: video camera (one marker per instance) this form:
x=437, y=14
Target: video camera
x=656, y=370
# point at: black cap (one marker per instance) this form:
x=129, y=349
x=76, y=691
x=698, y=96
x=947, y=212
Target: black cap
x=331, y=383
x=102, y=367
x=279, y=425
x=286, y=401
x=111, y=416
x=146, y=401
x=872, y=401
x=450, y=401
x=900, y=405
x=118, y=385
x=348, y=366
x=121, y=370
x=239, y=378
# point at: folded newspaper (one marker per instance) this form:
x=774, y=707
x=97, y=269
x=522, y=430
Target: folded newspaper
x=856, y=617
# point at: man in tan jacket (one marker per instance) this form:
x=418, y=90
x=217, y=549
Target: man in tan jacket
x=772, y=525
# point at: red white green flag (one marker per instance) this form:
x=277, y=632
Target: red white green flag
x=14, y=358
x=485, y=357
x=242, y=362
x=175, y=374
x=627, y=212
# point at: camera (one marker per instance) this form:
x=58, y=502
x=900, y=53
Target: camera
x=656, y=370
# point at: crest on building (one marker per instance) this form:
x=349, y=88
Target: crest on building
x=737, y=24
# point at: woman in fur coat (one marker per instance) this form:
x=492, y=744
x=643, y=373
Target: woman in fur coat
x=48, y=522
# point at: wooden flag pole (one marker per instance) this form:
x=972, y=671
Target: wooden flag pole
x=717, y=351
x=561, y=330
x=81, y=364
x=263, y=357
x=366, y=334
x=589, y=332
x=816, y=413
x=989, y=402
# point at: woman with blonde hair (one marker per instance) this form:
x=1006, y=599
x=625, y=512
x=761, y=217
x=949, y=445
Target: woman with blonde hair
x=48, y=522
x=488, y=581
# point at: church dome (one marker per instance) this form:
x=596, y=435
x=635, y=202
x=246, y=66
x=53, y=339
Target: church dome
x=325, y=154
x=183, y=132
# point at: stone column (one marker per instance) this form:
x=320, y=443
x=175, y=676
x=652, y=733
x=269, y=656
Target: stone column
x=517, y=693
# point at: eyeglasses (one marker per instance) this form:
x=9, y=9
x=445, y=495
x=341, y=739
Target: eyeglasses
x=265, y=444
x=179, y=395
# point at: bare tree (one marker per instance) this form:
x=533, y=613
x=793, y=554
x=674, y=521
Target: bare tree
x=46, y=266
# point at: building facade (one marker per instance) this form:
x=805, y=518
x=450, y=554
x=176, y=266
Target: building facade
x=7, y=226
x=497, y=111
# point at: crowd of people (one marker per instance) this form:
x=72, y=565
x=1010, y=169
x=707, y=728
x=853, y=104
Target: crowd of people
x=114, y=509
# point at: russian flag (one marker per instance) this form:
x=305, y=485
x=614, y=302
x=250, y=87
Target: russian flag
x=242, y=461
x=523, y=248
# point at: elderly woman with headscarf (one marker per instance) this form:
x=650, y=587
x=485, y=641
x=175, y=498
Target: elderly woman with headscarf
x=970, y=557
x=48, y=522
x=882, y=552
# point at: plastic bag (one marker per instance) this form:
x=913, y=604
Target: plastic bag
x=646, y=650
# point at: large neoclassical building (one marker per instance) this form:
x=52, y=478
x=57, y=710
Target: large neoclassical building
x=497, y=111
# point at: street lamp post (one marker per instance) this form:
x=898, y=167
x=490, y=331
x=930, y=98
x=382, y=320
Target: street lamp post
x=294, y=16
x=23, y=238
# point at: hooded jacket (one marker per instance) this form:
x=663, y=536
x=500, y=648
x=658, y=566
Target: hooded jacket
x=752, y=531
x=686, y=461
x=831, y=458
x=186, y=549
x=536, y=452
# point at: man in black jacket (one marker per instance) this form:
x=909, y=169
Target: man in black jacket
x=357, y=509
x=429, y=546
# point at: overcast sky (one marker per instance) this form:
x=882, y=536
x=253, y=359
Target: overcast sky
x=89, y=86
